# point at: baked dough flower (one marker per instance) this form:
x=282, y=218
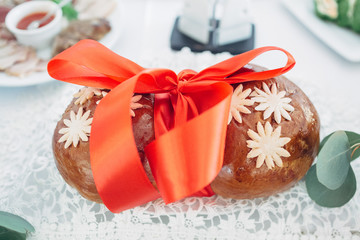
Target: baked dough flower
x=267, y=145
x=78, y=127
x=238, y=103
x=273, y=102
x=85, y=94
x=103, y=93
x=134, y=104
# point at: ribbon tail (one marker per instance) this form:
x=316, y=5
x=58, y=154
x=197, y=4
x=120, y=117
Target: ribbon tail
x=187, y=158
x=117, y=169
x=163, y=110
x=229, y=70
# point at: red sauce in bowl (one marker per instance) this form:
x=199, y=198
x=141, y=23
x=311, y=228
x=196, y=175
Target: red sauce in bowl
x=25, y=22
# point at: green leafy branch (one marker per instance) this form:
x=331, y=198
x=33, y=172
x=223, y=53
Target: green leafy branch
x=331, y=181
x=14, y=227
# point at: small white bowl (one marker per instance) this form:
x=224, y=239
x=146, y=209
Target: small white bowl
x=39, y=38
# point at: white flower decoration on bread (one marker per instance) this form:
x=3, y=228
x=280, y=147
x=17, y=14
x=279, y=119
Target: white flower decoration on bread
x=239, y=103
x=134, y=104
x=103, y=93
x=85, y=94
x=272, y=102
x=267, y=145
x=78, y=127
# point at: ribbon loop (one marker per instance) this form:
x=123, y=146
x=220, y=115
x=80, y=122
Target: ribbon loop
x=228, y=70
x=92, y=65
x=190, y=119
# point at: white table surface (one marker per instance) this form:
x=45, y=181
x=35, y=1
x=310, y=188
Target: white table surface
x=332, y=81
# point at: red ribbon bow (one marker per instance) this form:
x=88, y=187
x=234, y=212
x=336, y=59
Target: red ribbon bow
x=190, y=118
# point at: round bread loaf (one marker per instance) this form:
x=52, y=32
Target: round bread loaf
x=272, y=139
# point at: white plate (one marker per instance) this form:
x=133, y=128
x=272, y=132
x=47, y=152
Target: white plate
x=343, y=41
x=42, y=77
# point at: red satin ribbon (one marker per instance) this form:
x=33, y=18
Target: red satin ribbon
x=190, y=117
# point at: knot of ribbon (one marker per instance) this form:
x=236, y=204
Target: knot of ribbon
x=190, y=122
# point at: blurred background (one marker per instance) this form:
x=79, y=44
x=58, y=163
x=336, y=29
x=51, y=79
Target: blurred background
x=327, y=69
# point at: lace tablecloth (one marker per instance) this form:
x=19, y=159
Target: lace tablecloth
x=31, y=186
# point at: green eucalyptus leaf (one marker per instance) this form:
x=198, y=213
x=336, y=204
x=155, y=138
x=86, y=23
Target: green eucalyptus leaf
x=330, y=198
x=6, y=234
x=354, y=138
x=322, y=143
x=15, y=223
x=333, y=160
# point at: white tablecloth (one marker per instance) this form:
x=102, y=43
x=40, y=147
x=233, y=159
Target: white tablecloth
x=31, y=186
